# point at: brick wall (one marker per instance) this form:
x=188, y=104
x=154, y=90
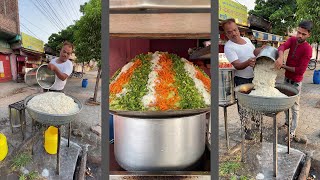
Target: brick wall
x=9, y=16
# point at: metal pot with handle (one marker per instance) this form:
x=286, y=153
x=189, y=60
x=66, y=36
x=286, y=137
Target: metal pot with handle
x=41, y=76
x=159, y=144
x=268, y=53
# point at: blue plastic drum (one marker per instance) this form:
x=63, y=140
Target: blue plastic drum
x=111, y=133
x=316, y=77
x=84, y=83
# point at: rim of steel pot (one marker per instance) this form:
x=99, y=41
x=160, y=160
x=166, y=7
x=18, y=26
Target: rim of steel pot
x=160, y=114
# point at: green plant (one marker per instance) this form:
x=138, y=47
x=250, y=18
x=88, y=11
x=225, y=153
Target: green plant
x=228, y=168
x=234, y=177
x=33, y=175
x=244, y=178
x=23, y=177
x=20, y=160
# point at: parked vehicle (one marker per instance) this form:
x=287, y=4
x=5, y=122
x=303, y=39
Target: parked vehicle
x=312, y=64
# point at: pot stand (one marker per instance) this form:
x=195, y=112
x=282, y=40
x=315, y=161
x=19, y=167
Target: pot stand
x=59, y=141
x=20, y=108
x=225, y=115
x=275, y=140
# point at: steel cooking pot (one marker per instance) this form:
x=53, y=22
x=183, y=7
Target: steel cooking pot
x=226, y=86
x=268, y=53
x=41, y=76
x=159, y=144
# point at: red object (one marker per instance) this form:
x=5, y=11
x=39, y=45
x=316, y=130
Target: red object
x=225, y=65
x=5, y=59
x=298, y=58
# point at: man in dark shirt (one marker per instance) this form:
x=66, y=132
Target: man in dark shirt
x=299, y=56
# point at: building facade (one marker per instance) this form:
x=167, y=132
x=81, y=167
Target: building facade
x=9, y=34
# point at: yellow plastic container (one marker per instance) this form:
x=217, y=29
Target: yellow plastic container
x=3, y=147
x=51, y=140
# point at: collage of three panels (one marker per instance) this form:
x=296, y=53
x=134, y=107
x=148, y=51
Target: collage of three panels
x=151, y=89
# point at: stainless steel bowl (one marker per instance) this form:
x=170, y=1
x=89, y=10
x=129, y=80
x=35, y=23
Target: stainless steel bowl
x=45, y=77
x=159, y=144
x=268, y=53
x=51, y=119
x=41, y=76
x=267, y=104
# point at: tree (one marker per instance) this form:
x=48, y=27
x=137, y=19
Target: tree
x=281, y=14
x=56, y=40
x=88, y=37
x=310, y=10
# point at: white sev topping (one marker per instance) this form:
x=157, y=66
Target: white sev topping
x=122, y=93
x=150, y=97
x=191, y=71
x=123, y=70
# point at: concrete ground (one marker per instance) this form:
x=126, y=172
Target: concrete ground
x=89, y=118
x=308, y=127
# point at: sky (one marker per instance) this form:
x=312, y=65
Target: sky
x=41, y=18
x=249, y=3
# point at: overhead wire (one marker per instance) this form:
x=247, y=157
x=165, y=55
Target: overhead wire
x=55, y=14
x=49, y=13
x=34, y=25
x=72, y=9
x=77, y=8
x=29, y=30
x=66, y=11
x=47, y=16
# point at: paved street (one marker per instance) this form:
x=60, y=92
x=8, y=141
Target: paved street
x=89, y=116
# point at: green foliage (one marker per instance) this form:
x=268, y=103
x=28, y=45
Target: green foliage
x=229, y=168
x=310, y=10
x=33, y=175
x=56, y=40
x=23, y=177
x=20, y=160
x=281, y=14
x=88, y=33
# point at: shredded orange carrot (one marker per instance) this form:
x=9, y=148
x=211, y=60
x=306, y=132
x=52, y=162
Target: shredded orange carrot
x=166, y=94
x=206, y=81
x=116, y=87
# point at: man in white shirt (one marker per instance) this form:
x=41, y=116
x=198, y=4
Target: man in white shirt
x=62, y=67
x=241, y=53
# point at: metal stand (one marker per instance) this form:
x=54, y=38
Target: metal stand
x=59, y=142
x=58, y=150
x=275, y=139
x=225, y=106
x=19, y=106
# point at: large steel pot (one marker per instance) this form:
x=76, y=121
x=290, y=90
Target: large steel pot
x=267, y=104
x=226, y=86
x=41, y=76
x=163, y=144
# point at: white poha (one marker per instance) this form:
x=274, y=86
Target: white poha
x=265, y=80
x=53, y=103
